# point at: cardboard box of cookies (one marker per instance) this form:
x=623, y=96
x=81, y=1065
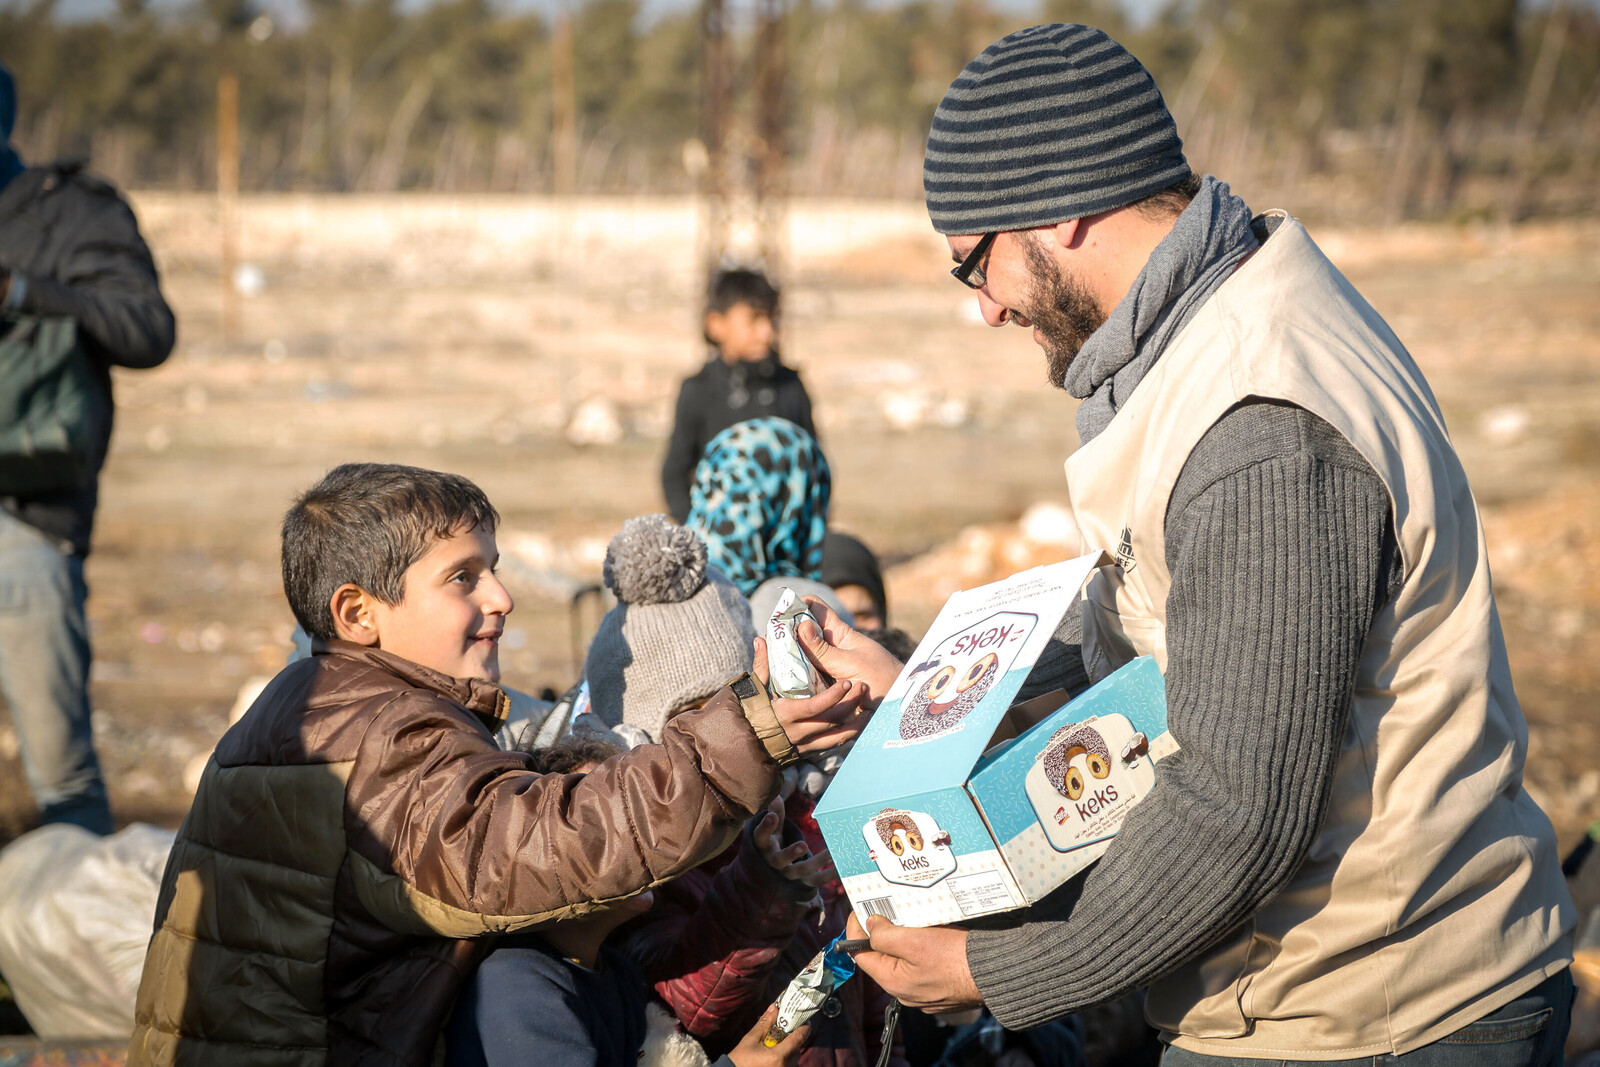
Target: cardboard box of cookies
x=955, y=803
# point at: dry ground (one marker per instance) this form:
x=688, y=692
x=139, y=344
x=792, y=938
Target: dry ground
x=464, y=333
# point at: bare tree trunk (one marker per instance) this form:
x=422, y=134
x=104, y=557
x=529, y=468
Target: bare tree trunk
x=387, y=171
x=508, y=154
x=716, y=101
x=339, y=102
x=1196, y=82
x=1523, y=144
x=228, y=191
x=564, y=106
x=1588, y=143
x=1407, y=120
x=772, y=101
x=313, y=121
x=823, y=137
x=442, y=154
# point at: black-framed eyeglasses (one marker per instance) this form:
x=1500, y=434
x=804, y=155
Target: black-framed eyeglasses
x=971, y=270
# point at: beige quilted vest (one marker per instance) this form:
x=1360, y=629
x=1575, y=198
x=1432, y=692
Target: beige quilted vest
x=1432, y=894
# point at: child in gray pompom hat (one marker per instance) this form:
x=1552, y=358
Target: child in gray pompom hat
x=680, y=630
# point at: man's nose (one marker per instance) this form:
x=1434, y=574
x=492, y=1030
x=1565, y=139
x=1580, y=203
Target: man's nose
x=995, y=314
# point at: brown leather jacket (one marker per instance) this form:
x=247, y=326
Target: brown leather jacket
x=358, y=832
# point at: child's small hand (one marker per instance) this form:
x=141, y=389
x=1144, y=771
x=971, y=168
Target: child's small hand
x=796, y=862
x=816, y=723
x=753, y=1052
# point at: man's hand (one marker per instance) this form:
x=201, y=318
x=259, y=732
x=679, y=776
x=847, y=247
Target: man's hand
x=816, y=723
x=753, y=1052
x=924, y=968
x=795, y=862
x=840, y=651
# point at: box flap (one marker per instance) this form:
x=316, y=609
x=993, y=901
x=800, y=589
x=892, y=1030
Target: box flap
x=940, y=713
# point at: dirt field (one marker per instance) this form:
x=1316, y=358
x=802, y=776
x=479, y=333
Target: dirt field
x=479, y=334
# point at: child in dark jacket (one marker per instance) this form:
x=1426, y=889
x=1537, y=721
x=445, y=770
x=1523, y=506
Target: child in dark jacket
x=743, y=379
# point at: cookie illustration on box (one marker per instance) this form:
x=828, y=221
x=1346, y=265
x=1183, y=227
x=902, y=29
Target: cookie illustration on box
x=946, y=687
x=1086, y=778
x=908, y=847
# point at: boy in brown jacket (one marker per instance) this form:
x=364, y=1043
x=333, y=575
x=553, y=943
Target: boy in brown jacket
x=358, y=833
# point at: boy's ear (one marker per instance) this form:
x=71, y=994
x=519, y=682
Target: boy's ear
x=715, y=326
x=353, y=616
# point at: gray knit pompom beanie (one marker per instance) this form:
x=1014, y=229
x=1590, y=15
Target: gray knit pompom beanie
x=651, y=561
x=679, y=632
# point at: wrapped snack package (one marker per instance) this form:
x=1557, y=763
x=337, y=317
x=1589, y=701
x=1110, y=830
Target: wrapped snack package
x=829, y=970
x=792, y=674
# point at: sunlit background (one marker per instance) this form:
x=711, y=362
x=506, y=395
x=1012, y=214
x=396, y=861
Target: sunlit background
x=473, y=236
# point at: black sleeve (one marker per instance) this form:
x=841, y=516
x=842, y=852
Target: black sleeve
x=1280, y=547
x=802, y=401
x=683, y=453
x=107, y=283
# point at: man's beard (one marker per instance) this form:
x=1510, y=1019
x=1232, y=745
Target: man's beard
x=1066, y=312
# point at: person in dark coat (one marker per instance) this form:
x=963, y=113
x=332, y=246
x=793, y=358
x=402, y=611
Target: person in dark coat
x=850, y=567
x=742, y=379
x=69, y=248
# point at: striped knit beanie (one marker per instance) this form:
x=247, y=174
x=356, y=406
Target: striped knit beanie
x=1049, y=123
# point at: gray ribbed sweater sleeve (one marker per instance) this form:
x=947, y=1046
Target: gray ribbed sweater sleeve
x=1280, y=547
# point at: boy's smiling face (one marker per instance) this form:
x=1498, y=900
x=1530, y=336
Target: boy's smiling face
x=451, y=617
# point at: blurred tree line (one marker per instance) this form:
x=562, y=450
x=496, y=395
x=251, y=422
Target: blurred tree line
x=1420, y=107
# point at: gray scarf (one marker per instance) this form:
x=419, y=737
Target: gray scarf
x=1184, y=270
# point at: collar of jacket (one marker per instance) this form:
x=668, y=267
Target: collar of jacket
x=34, y=182
x=765, y=367
x=484, y=699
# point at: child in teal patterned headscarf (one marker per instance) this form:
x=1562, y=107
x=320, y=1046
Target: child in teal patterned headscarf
x=760, y=502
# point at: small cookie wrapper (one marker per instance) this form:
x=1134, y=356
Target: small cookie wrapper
x=791, y=671
x=827, y=971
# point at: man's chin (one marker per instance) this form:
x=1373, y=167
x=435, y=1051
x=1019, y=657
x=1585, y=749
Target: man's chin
x=1057, y=362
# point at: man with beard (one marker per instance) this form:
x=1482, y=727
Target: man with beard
x=1341, y=864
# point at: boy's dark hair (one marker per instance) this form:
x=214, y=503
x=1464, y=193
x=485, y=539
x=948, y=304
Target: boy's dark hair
x=741, y=286
x=572, y=752
x=364, y=524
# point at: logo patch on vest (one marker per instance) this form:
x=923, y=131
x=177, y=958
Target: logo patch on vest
x=1125, y=558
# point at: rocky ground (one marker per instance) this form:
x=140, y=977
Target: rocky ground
x=537, y=350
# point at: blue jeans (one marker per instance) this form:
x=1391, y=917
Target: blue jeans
x=1528, y=1032
x=44, y=674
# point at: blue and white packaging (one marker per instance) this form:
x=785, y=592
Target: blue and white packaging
x=930, y=822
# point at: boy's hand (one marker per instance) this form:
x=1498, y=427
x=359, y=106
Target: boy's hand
x=795, y=862
x=752, y=1052
x=816, y=723
x=840, y=651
